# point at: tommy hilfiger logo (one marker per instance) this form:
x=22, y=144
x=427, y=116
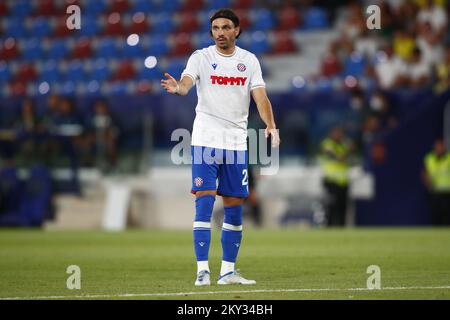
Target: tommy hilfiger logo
x=239, y=81
x=214, y=65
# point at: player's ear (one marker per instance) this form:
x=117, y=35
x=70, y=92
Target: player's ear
x=210, y=32
x=238, y=31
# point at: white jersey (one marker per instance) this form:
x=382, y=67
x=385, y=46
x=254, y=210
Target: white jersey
x=223, y=85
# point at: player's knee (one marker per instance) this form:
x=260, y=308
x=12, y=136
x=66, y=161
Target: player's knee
x=232, y=201
x=233, y=215
x=203, y=207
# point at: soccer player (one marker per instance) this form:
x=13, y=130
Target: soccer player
x=225, y=76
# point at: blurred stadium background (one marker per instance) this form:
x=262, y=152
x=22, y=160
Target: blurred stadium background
x=85, y=129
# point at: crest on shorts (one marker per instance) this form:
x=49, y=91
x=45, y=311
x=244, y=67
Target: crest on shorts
x=241, y=67
x=198, y=182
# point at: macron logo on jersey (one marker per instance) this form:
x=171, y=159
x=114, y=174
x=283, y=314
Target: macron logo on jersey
x=239, y=81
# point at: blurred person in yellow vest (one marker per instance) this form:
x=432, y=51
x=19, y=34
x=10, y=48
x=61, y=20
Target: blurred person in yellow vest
x=436, y=176
x=334, y=159
x=442, y=72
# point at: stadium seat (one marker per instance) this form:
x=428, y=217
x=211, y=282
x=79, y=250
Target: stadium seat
x=119, y=88
x=204, y=40
x=259, y=43
x=217, y=4
x=82, y=48
x=50, y=72
x=158, y=45
x=26, y=72
x=175, y=67
x=15, y=27
x=125, y=71
x=262, y=19
x=145, y=6
x=283, y=43
x=242, y=4
x=135, y=51
x=354, y=65
x=149, y=74
x=32, y=49
x=61, y=29
x=170, y=7
x=91, y=26
x=114, y=25
x=119, y=6
x=58, y=49
x=139, y=23
x=17, y=88
x=288, y=18
x=3, y=9
x=244, y=19
x=192, y=5
x=94, y=7
x=315, y=18
x=162, y=23
x=100, y=70
x=45, y=8
x=5, y=72
x=9, y=49
x=107, y=48
x=187, y=22
x=41, y=27
x=75, y=71
x=21, y=8
x=182, y=45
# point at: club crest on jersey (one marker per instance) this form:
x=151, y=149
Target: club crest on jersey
x=214, y=65
x=241, y=67
x=198, y=182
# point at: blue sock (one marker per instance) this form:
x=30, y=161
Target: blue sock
x=202, y=226
x=231, y=233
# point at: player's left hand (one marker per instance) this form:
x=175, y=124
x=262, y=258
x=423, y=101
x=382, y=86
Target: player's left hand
x=275, y=136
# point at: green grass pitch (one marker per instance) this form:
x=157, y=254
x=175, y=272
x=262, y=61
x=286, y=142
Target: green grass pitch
x=287, y=264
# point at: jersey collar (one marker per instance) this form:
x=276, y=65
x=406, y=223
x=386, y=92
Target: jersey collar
x=226, y=55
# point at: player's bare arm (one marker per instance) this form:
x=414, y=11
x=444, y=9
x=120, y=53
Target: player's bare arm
x=173, y=86
x=265, y=111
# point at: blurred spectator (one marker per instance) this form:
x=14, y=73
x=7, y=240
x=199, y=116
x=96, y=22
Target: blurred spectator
x=334, y=158
x=442, y=73
x=30, y=133
x=331, y=64
x=390, y=70
x=383, y=111
x=431, y=47
x=103, y=134
x=436, y=176
x=353, y=22
x=418, y=70
x=403, y=44
x=359, y=111
x=435, y=15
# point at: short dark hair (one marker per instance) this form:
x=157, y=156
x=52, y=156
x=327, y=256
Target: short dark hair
x=227, y=14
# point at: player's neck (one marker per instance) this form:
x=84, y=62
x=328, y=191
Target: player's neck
x=226, y=52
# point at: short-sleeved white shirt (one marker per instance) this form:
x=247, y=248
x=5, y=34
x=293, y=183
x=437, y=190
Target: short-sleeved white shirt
x=224, y=83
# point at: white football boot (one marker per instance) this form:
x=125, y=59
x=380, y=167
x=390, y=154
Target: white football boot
x=203, y=278
x=234, y=277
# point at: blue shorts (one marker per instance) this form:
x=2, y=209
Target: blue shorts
x=227, y=167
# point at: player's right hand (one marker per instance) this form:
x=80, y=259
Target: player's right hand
x=171, y=85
